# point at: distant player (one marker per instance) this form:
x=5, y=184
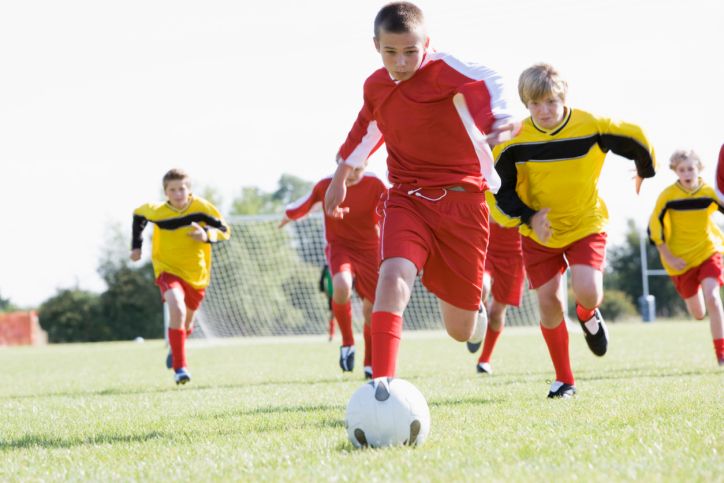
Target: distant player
x=549, y=176
x=186, y=227
x=434, y=218
x=690, y=243
x=352, y=251
x=504, y=277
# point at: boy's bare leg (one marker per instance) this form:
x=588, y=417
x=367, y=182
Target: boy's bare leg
x=710, y=288
x=394, y=286
x=189, y=322
x=587, y=285
x=177, y=333
x=550, y=302
x=695, y=305
x=176, y=308
x=459, y=323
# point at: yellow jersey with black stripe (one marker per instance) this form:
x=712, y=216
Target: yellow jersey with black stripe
x=172, y=249
x=496, y=214
x=683, y=220
x=559, y=168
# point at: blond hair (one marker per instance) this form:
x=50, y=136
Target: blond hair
x=681, y=155
x=175, y=174
x=540, y=81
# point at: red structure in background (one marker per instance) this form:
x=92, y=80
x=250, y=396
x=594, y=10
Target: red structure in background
x=21, y=328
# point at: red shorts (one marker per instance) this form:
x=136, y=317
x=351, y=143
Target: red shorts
x=504, y=263
x=445, y=238
x=543, y=263
x=687, y=284
x=362, y=263
x=192, y=296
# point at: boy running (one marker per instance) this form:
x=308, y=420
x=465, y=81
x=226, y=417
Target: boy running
x=434, y=217
x=352, y=253
x=690, y=243
x=549, y=181
x=186, y=227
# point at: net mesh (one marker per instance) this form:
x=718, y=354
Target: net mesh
x=266, y=281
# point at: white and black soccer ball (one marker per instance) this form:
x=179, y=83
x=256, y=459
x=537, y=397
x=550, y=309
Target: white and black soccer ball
x=387, y=412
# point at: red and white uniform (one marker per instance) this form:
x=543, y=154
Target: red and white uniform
x=429, y=151
x=352, y=241
x=504, y=263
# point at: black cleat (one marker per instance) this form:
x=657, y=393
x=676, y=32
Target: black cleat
x=346, y=358
x=598, y=342
x=561, y=390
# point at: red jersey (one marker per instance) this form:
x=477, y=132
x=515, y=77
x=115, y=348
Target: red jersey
x=427, y=143
x=359, y=227
x=720, y=175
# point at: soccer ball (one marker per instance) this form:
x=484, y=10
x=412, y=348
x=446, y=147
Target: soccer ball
x=387, y=412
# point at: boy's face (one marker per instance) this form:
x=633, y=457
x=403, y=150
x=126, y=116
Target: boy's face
x=688, y=173
x=177, y=191
x=402, y=53
x=547, y=112
x=355, y=176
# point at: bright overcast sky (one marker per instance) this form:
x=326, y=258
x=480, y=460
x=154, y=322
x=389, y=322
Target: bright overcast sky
x=98, y=99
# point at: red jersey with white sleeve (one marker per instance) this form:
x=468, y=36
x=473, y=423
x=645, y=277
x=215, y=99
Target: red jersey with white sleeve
x=427, y=143
x=359, y=226
x=720, y=175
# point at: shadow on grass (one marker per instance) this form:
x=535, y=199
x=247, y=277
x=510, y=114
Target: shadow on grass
x=52, y=442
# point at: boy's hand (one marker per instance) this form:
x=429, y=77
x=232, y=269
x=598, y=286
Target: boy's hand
x=135, y=254
x=337, y=191
x=503, y=132
x=637, y=181
x=541, y=225
x=673, y=261
x=198, y=233
x=284, y=221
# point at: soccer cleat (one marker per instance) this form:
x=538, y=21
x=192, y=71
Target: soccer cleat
x=368, y=372
x=169, y=360
x=598, y=342
x=561, y=390
x=721, y=362
x=481, y=325
x=346, y=358
x=181, y=376
x=484, y=368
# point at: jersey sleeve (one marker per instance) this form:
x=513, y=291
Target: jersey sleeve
x=363, y=139
x=656, y=222
x=216, y=228
x=719, y=186
x=628, y=140
x=140, y=220
x=507, y=199
x=299, y=208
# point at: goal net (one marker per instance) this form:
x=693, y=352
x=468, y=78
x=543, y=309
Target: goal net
x=265, y=281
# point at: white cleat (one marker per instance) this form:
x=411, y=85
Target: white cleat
x=481, y=325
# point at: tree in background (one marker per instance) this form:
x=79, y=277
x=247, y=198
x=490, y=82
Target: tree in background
x=624, y=273
x=72, y=315
x=6, y=305
x=254, y=201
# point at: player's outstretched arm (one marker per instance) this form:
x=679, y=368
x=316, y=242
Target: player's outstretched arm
x=337, y=191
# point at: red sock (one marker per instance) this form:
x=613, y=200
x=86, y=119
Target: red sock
x=330, y=329
x=719, y=348
x=584, y=314
x=343, y=314
x=367, y=332
x=177, y=341
x=491, y=337
x=557, y=341
x=386, y=332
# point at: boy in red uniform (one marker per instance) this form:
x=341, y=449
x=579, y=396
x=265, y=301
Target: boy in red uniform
x=434, y=217
x=549, y=181
x=186, y=227
x=504, y=266
x=352, y=253
x=690, y=244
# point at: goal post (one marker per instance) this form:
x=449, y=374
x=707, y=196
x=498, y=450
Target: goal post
x=265, y=282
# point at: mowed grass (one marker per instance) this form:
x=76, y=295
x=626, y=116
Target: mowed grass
x=273, y=409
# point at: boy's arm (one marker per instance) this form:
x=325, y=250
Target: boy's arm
x=216, y=229
x=139, y=223
x=299, y=208
x=337, y=191
x=507, y=197
x=628, y=140
x=656, y=234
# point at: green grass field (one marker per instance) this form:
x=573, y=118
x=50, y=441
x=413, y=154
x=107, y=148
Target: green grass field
x=273, y=409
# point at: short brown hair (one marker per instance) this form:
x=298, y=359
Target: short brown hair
x=685, y=155
x=398, y=18
x=540, y=81
x=173, y=175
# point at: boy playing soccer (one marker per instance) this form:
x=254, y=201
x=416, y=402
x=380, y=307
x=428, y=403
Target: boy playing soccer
x=504, y=266
x=186, y=227
x=549, y=176
x=352, y=253
x=434, y=216
x=690, y=243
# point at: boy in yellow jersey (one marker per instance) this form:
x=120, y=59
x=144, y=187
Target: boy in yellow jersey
x=186, y=227
x=690, y=244
x=549, y=181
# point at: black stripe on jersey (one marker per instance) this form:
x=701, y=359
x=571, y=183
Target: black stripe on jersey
x=631, y=149
x=553, y=150
x=139, y=223
x=688, y=204
x=175, y=223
